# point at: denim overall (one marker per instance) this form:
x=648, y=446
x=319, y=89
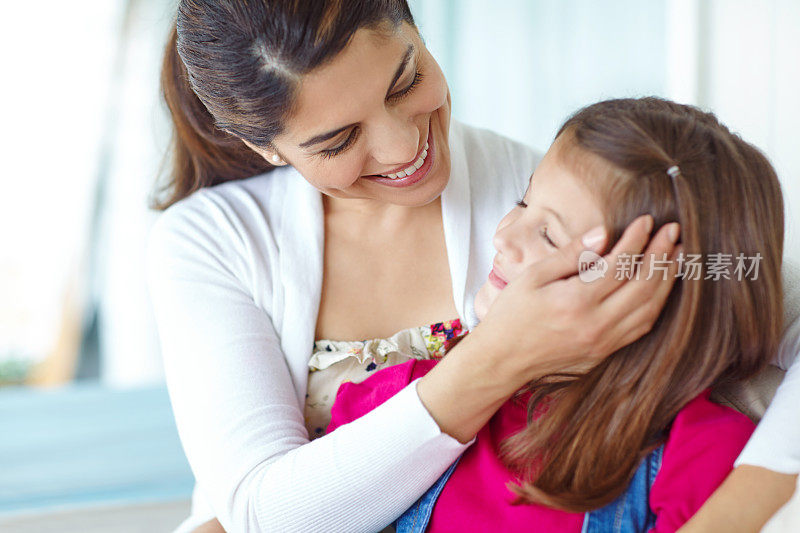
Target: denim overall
x=630, y=513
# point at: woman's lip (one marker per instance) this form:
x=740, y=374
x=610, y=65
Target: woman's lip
x=496, y=280
x=419, y=174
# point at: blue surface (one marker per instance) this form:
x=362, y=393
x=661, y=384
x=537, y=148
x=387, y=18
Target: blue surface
x=86, y=444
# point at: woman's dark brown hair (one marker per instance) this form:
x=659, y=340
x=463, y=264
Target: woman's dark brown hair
x=231, y=71
x=596, y=428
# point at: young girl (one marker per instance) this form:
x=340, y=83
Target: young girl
x=634, y=444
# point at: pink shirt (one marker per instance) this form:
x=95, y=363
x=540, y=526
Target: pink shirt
x=703, y=443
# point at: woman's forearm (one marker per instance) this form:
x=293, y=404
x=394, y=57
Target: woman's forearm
x=464, y=390
x=749, y=496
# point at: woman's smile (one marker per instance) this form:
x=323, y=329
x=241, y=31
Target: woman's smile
x=414, y=172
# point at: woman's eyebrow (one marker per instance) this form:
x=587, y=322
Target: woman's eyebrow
x=333, y=133
x=324, y=136
x=401, y=67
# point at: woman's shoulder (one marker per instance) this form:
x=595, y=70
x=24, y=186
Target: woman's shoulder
x=492, y=143
x=241, y=199
x=494, y=151
x=233, y=213
x=233, y=227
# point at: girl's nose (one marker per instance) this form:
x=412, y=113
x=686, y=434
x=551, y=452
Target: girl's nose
x=507, y=240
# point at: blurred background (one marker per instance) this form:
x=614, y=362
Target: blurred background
x=81, y=376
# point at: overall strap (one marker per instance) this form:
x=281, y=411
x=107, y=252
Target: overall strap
x=630, y=513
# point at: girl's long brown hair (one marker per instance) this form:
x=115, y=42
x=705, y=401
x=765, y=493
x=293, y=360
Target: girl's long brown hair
x=596, y=428
x=231, y=71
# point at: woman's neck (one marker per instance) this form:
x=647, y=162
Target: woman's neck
x=377, y=214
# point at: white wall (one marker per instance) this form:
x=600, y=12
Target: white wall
x=521, y=67
x=753, y=84
x=516, y=66
x=57, y=64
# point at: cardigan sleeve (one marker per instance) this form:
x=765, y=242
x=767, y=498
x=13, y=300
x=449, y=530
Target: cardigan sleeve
x=236, y=408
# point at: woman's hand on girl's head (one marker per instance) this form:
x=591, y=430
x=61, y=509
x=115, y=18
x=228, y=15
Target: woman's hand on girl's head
x=550, y=320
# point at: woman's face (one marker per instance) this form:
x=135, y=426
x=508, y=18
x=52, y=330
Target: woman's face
x=556, y=209
x=362, y=122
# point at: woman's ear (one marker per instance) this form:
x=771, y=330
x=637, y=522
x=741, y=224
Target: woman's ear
x=272, y=157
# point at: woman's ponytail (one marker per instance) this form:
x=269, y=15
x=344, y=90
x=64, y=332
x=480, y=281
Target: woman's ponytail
x=201, y=154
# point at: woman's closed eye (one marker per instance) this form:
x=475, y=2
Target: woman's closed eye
x=402, y=93
x=332, y=152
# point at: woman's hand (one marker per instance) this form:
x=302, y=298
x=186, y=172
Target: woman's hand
x=548, y=320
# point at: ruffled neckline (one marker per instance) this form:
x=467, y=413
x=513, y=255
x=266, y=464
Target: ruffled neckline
x=423, y=342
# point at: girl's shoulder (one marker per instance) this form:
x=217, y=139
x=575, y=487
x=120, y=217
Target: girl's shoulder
x=704, y=441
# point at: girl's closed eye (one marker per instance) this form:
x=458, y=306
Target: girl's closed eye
x=546, y=237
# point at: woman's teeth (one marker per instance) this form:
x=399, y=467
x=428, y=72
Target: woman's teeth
x=410, y=170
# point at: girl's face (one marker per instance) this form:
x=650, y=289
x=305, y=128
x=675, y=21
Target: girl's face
x=556, y=209
x=373, y=123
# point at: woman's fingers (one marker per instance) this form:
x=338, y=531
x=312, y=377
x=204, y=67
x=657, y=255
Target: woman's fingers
x=652, y=275
x=623, y=257
x=632, y=312
x=564, y=262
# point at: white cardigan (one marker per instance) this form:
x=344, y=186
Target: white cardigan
x=235, y=275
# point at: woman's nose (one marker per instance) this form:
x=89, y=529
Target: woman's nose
x=395, y=141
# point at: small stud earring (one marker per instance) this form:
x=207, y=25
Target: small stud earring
x=276, y=158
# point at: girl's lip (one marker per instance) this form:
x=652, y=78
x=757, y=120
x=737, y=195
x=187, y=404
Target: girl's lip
x=420, y=173
x=496, y=280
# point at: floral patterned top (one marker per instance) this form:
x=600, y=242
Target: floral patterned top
x=335, y=362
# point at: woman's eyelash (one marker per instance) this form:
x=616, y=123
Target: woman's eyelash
x=543, y=233
x=332, y=152
x=399, y=95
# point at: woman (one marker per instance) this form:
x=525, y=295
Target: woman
x=327, y=105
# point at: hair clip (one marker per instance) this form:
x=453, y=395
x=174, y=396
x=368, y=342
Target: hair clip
x=674, y=171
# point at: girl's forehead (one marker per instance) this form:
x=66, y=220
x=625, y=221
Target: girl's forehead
x=558, y=187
